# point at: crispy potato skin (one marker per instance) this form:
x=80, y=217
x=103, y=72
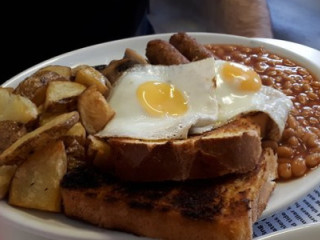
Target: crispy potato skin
x=75, y=144
x=10, y=131
x=38, y=138
x=61, y=70
x=35, y=86
x=88, y=76
x=6, y=174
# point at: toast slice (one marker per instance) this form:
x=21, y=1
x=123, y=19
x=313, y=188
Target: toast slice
x=223, y=208
x=233, y=148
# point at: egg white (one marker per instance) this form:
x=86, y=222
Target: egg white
x=234, y=103
x=212, y=102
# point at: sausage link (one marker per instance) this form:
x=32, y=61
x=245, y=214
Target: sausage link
x=162, y=52
x=189, y=47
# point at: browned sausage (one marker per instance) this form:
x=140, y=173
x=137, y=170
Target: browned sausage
x=162, y=52
x=189, y=47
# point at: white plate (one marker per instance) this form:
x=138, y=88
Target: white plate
x=309, y=232
x=58, y=226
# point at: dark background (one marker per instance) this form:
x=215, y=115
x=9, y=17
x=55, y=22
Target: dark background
x=31, y=33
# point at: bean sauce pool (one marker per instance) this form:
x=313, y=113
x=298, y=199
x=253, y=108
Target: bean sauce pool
x=299, y=149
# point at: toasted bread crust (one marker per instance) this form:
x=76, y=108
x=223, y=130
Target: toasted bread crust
x=210, y=155
x=224, y=208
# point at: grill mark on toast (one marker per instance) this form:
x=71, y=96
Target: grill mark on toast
x=196, y=199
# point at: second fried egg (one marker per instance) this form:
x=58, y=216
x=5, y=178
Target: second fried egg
x=239, y=91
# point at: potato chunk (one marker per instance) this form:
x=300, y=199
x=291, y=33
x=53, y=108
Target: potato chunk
x=89, y=76
x=36, y=183
x=10, y=131
x=35, y=86
x=38, y=138
x=99, y=152
x=94, y=110
x=46, y=117
x=62, y=96
x=6, y=174
x=16, y=108
x=78, y=132
x=61, y=70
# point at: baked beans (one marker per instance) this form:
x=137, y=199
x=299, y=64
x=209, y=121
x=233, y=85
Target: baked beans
x=299, y=148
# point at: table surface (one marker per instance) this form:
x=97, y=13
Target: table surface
x=11, y=233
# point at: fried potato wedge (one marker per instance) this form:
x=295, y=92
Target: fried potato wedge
x=74, y=70
x=35, y=86
x=94, y=110
x=9, y=89
x=99, y=152
x=78, y=132
x=61, y=70
x=10, y=131
x=36, y=183
x=38, y=138
x=16, y=108
x=89, y=76
x=46, y=117
x=6, y=175
x=62, y=96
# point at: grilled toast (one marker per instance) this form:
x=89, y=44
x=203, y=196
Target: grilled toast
x=223, y=208
x=233, y=148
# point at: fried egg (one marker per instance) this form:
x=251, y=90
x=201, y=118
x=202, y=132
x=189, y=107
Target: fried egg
x=171, y=102
x=239, y=91
x=163, y=102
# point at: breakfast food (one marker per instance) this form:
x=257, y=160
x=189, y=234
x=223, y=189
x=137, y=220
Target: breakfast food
x=165, y=101
x=30, y=188
x=16, y=108
x=208, y=171
x=160, y=137
x=299, y=148
x=189, y=47
x=54, y=129
x=171, y=55
x=35, y=86
x=90, y=116
x=154, y=138
x=216, y=209
x=234, y=148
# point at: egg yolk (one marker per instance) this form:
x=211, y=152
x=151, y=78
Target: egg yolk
x=241, y=77
x=159, y=99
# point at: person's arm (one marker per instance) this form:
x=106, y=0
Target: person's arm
x=248, y=18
